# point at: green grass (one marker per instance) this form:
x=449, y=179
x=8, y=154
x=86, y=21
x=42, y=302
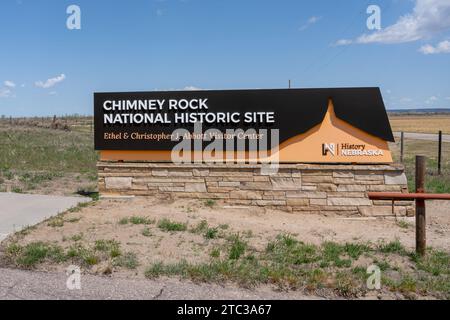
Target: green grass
x=285, y=262
x=80, y=254
x=333, y=254
x=392, y=247
x=237, y=247
x=215, y=253
x=404, y=224
x=287, y=250
x=44, y=155
x=201, y=227
x=141, y=220
x=433, y=182
x=136, y=220
x=223, y=226
x=355, y=250
x=383, y=265
x=211, y=233
x=210, y=203
x=16, y=190
x=56, y=222
x=346, y=285
x=436, y=262
x=80, y=206
x=112, y=247
x=77, y=237
x=171, y=226
x=291, y=264
x=35, y=253
x=46, y=151
x=146, y=232
x=128, y=260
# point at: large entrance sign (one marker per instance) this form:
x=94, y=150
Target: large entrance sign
x=299, y=150
x=347, y=125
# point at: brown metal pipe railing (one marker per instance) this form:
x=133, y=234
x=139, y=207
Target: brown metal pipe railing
x=420, y=196
x=407, y=196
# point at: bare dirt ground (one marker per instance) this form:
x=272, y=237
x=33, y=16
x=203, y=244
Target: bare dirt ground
x=102, y=221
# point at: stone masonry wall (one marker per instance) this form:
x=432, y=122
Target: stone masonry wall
x=338, y=189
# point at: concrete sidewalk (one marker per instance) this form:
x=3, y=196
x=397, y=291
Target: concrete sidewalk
x=21, y=210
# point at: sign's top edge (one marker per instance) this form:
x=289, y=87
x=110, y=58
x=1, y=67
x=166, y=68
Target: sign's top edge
x=242, y=90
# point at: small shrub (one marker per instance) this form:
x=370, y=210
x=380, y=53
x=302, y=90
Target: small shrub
x=201, y=227
x=215, y=253
x=435, y=262
x=112, y=247
x=140, y=220
x=355, y=250
x=392, y=247
x=383, y=265
x=210, y=203
x=73, y=220
x=146, y=232
x=128, y=260
x=155, y=270
x=14, y=249
x=56, y=222
x=211, y=233
x=77, y=237
x=83, y=255
x=346, y=286
x=16, y=190
x=403, y=224
x=36, y=252
x=407, y=284
x=167, y=225
x=237, y=247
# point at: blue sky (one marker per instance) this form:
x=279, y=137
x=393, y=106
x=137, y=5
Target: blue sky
x=142, y=45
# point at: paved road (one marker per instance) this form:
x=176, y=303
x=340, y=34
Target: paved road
x=28, y=285
x=423, y=136
x=21, y=210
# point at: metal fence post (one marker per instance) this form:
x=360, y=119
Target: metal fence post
x=440, y=153
x=402, y=146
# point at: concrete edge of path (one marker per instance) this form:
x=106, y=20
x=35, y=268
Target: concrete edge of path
x=18, y=211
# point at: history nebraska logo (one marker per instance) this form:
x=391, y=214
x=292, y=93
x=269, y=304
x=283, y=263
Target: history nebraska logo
x=328, y=148
x=349, y=150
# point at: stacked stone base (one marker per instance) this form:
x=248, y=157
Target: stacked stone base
x=314, y=188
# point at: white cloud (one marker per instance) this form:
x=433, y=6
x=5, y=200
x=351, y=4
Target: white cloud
x=9, y=84
x=52, y=93
x=343, y=42
x=431, y=100
x=191, y=88
x=5, y=93
x=429, y=17
x=50, y=82
x=312, y=20
x=442, y=47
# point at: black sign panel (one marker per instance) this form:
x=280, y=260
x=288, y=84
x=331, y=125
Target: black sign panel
x=146, y=120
